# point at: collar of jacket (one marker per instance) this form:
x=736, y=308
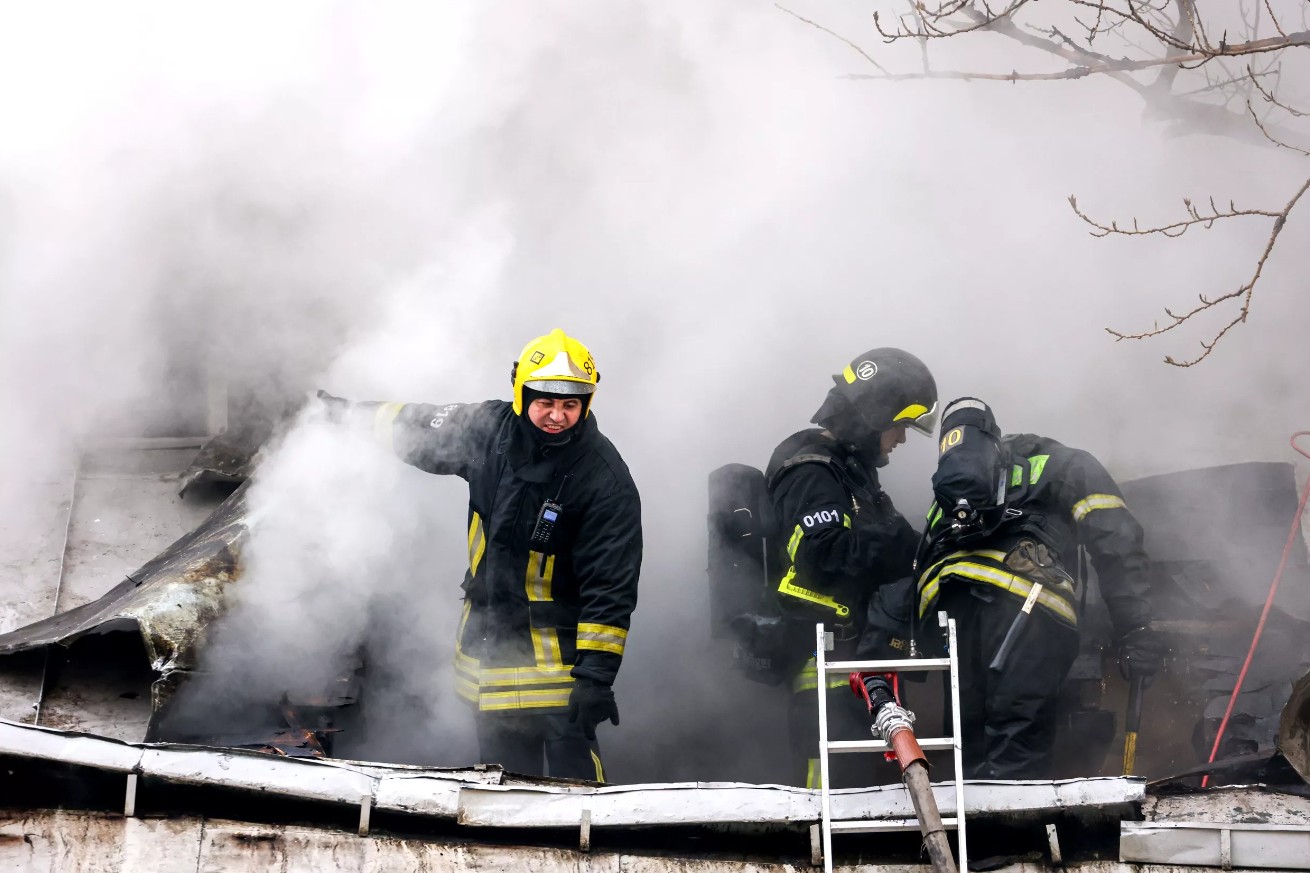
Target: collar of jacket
x=534, y=461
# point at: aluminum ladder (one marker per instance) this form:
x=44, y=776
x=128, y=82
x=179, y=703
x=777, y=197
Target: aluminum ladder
x=826, y=747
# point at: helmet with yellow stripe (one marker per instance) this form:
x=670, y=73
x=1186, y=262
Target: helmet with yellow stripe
x=554, y=364
x=881, y=389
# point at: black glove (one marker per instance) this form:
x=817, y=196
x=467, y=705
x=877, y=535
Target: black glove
x=592, y=703
x=1141, y=653
x=335, y=408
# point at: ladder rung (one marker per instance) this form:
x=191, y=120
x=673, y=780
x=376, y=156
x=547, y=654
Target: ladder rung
x=846, y=746
x=903, y=665
x=868, y=826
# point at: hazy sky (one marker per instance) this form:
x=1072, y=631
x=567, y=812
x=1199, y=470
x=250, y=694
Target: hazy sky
x=388, y=200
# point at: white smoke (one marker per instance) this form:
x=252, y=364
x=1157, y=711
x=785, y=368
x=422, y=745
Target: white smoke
x=387, y=202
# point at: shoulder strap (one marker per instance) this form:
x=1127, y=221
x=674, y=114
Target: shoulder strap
x=807, y=458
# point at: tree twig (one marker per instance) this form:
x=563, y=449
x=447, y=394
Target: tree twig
x=1244, y=293
x=832, y=33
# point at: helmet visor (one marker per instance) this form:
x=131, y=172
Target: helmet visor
x=920, y=417
x=560, y=386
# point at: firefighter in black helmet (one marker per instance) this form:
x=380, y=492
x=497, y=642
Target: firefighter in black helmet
x=843, y=537
x=554, y=552
x=1010, y=515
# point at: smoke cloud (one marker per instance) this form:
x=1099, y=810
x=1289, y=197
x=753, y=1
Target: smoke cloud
x=388, y=202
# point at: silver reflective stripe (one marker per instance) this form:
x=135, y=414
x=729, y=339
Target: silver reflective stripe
x=560, y=386
x=1097, y=501
x=965, y=403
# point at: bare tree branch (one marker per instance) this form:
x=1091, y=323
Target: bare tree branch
x=1269, y=97
x=1123, y=40
x=834, y=34
x=1244, y=293
x=1273, y=139
x=1119, y=65
x=931, y=21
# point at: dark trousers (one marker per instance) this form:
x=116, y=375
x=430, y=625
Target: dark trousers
x=539, y=745
x=1007, y=717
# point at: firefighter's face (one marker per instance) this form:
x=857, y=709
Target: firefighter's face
x=892, y=437
x=557, y=416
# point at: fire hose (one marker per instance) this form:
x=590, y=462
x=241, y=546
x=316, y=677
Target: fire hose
x=895, y=725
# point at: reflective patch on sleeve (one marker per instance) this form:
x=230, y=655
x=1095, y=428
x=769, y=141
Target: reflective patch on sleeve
x=1093, y=502
x=383, y=421
x=795, y=542
x=832, y=515
x=601, y=637
x=953, y=438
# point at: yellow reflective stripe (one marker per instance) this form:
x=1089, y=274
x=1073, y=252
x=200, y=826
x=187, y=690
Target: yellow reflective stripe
x=466, y=689
x=477, y=543
x=600, y=768
x=545, y=647
x=460, y=657
x=927, y=594
x=588, y=627
x=1001, y=579
x=807, y=678
x=794, y=543
x=1097, y=501
x=845, y=520
x=541, y=570
x=992, y=554
x=813, y=774
x=601, y=637
x=382, y=422
x=1016, y=476
x=792, y=590
x=597, y=646
x=1036, y=464
x=535, y=698
x=912, y=412
x=507, y=677
x=849, y=375
x=472, y=679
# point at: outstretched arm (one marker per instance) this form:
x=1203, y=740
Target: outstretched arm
x=436, y=438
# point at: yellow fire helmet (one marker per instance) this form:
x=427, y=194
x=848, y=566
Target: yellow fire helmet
x=554, y=364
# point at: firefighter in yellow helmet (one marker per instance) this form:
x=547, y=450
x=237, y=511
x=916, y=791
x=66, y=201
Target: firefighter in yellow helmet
x=554, y=552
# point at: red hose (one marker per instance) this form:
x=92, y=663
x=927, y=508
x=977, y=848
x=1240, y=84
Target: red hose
x=1264, y=613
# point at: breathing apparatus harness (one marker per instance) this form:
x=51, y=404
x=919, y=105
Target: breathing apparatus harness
x=971, y=483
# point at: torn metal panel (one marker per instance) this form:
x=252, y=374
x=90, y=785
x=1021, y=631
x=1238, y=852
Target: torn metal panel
x=169, y=599
x=288, y=777
x=484, y=798
x=27, y=741
x=1268, y=847
x=726, y=803
x=229, y=458
x=1252, y=804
